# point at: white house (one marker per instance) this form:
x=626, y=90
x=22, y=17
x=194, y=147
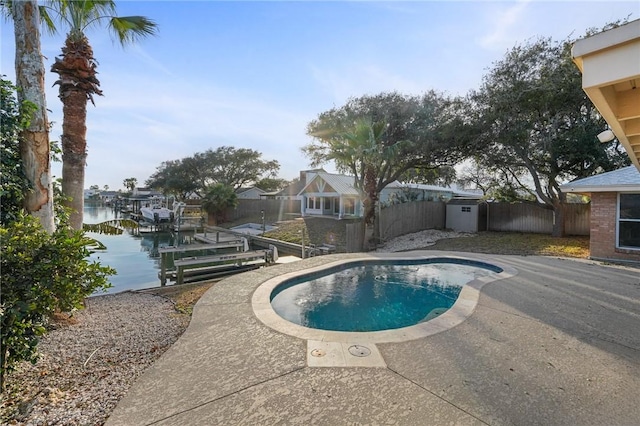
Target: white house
x=145, y=193
x=397, y=192
x=328, y=194
x=252, y=193
x=91, y=193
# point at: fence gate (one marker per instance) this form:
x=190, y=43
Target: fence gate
x=354, y=237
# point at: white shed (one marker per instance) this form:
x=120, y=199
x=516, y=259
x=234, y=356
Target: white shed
x=466, y=215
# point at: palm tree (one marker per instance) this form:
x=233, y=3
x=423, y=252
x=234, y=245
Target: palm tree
x=78, y=82
x=219, y=198
x=360, y=149
x=130, y=183
x=34, y=144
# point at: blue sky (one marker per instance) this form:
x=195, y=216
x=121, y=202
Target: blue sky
x=253, y=74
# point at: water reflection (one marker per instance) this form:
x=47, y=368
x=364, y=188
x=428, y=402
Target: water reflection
x=135, y=257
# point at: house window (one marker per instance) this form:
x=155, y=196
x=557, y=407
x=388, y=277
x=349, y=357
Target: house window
x=313, y=203
x=349, y=205
x=466, y=209
x=629, y=221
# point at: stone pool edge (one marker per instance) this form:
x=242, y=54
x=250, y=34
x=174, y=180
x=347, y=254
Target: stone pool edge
x=459, y=312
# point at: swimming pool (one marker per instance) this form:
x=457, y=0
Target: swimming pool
x=464, y=277
x=375, y=295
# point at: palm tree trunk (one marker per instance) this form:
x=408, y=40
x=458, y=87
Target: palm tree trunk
x=34, y=143
x=78, y=84
x=74, y=153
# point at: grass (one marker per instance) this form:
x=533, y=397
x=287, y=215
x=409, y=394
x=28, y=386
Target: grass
x=518, y=244
x=290, y=232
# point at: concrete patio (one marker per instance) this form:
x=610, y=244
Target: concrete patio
x=556, y=344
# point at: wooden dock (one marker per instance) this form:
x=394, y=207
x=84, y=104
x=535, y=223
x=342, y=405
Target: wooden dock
x=218, y=263
x=238, y=244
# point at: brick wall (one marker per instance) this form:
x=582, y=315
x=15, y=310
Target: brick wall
x=603, y=229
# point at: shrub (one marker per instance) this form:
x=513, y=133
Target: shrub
x=41, y=273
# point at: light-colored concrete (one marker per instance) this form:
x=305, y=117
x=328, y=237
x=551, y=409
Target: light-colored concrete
x=347, y=354
x=555, y=344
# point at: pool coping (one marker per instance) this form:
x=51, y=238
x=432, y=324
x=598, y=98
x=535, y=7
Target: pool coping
x=459, y=312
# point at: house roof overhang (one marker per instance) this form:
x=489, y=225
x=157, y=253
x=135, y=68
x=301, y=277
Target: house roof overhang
x=610, y=66
x=626, y=179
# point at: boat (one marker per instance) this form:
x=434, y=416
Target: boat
x=156, y=214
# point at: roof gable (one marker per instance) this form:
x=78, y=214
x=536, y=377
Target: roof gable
x=324, y=182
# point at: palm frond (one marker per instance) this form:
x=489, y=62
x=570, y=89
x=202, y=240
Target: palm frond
x=129, y=29
x=47, y=21
x=110, y=227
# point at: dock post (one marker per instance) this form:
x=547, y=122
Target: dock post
x=163, y=269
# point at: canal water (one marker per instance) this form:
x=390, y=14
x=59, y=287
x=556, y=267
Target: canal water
x=134, y=257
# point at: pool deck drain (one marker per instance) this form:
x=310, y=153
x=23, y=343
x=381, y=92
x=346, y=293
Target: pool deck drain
x=337, y=354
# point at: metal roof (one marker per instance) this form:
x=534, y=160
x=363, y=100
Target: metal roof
x=341, y=184
x=621, y=180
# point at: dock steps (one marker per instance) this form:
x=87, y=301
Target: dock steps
x=211, y=264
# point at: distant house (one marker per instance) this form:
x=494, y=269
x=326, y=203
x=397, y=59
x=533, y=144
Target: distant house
x=615, y=213
x=251, y=193
x=109, y=196
x=145, y=193
x=397, y=192
x=91, y=193
x=328, y=194
x=292, y=191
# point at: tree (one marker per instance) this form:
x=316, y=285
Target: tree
x=43, y=271
x=474, y=175
x=78, y=82
x=218, y=199
x=533, y=120
x=378, y=138
x=130, y=183
x=234, y=167
x=34, y=141
x=272, y=184
x=226, y=165
x=442, y=176
x=14, y=184
x=176, y=177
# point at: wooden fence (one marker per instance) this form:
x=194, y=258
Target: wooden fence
x=275, y=210
x=526, y=217
x=405, y=218
x=354, y=237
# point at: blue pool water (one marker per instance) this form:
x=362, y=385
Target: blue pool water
x=367, y=296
